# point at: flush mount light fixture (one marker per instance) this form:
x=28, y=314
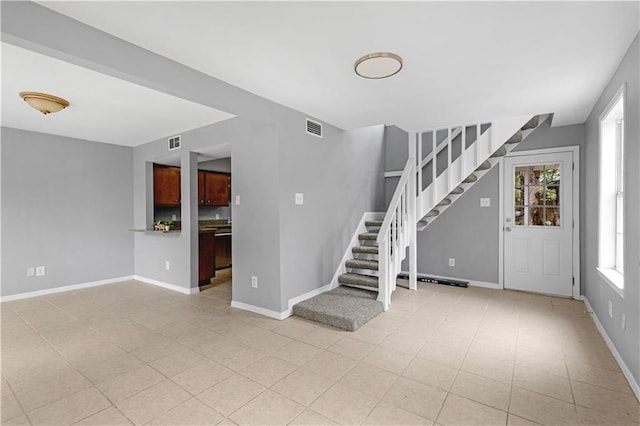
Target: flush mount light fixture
x=44, y=103
x=378, y=65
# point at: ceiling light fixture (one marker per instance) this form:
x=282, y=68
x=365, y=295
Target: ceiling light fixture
x=44, y=103
x=378, y=65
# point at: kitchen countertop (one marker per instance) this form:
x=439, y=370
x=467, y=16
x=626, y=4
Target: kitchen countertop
x=216, y=226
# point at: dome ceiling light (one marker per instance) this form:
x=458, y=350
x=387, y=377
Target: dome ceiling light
x=43, y=102
x=378, y=65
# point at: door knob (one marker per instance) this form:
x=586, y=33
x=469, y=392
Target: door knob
x=507, y=229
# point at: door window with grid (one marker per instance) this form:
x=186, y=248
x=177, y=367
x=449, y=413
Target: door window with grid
x=537, y=195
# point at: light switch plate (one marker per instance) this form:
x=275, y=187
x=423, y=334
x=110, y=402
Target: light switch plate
x=299, y=198
x=237, y=200
x=31, y=271
x=40, y=271
x=485, y=202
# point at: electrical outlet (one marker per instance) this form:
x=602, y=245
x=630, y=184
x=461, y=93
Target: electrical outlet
x=167, y=265
x=485, y=202
x=610, y=309
x=237, y=200
x=624, y=322
x=174, y=217
x=254, y=281
x=217, y=215
x=452, y=261
x=299, y=198
x=31, y=271
x=40, y=271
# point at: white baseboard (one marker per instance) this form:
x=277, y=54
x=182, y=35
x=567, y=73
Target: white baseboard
x=473, y=283
x=167, y=285
x=614, y=351
x=259, y=310
x=64, y=289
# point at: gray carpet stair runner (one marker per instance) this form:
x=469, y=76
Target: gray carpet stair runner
x=353, y=303
x=343, y=307
x=470, y=179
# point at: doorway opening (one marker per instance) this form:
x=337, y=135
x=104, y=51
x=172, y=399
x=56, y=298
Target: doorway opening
x=215, y=224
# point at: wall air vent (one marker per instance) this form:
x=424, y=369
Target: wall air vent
x=174, y=142
x=314, y=128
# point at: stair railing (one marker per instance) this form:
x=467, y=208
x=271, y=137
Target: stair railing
x=398, y=231
x=455, y=169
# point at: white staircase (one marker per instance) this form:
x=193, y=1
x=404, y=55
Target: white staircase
x=463, y=154
x=456, y=157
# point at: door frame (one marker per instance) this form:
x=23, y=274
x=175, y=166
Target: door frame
x=575, y=150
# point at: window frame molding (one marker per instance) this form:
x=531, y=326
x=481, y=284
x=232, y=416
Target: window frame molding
x=610, y=275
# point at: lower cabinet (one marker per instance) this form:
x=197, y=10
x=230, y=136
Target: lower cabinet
x=207, y=257
x=223, y=251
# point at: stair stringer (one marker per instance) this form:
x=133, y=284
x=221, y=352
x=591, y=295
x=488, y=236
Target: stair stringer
x=501, y=131
x=361, y=228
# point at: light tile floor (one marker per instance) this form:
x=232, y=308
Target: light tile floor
x=134, y=353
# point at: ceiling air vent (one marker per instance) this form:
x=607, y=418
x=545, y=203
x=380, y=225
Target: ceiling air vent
x=174, y=142
x=314, y=128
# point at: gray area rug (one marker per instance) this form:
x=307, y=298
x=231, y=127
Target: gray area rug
x=343, y=307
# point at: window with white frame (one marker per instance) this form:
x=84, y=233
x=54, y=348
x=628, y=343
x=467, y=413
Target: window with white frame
x=611, y=175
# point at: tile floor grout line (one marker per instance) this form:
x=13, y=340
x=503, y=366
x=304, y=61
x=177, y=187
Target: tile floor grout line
x=410, y=314
x=515, y=355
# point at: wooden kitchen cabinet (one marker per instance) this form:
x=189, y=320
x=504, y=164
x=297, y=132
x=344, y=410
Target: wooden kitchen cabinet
x=166, y=186
x=217, y=189
x=223, y=251
x=206, y=257
x=201, y=185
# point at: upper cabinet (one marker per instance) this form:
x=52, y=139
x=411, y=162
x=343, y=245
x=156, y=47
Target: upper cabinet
x=217, y=189
x=166, y=185
x=214, y=189
x=201, y=183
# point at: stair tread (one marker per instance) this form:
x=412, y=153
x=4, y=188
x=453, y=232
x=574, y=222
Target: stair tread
x=362, y=264
x=373, y=223
x=358, y=279
x=365, y=249
x=457, y=190
x=531, y=124
x=433, y=213
x=346, y=308
x=500, y=152
x=470, y=179
x=484, y=166
x=368, y=236
x=516, y=138
x=444, y=202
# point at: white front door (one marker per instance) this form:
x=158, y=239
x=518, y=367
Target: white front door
x=538, y=223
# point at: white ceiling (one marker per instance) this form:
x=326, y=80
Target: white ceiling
x=103, y=108
x=463, y=61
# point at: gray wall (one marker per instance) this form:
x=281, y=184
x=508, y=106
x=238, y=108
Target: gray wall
x=595, y=289
x=266, y=164
x=341, y=177
x=218, y=165
x=468, y=232
x=67, y=205
x=396, y=152
x=256, y=233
